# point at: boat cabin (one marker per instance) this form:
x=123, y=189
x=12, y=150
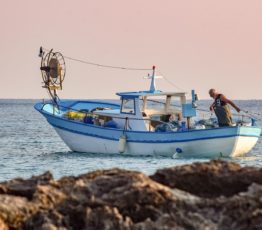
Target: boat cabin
x=140, y=111
x=144, y=110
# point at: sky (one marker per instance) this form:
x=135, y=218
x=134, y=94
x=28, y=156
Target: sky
x=197, y=45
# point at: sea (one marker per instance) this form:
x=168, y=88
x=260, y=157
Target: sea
x=30, y=146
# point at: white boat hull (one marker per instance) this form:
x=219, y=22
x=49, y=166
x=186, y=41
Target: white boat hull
x=216, y=142
x=221, y=147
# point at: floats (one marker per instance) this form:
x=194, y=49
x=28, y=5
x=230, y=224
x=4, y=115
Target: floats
x=149, y=122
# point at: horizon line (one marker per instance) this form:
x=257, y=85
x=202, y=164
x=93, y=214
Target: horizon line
x=203, y=99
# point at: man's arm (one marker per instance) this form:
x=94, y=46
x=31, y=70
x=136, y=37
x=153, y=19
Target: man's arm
x=223, y=98
x=211, y=108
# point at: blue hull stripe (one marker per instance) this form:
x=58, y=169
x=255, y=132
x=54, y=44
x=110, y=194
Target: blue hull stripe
x=147, y=141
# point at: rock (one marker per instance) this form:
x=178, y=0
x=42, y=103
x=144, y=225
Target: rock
x=25, y=188
x=3, y=225
x=242, y=211
x=15, y=210
x=212, y=195
x=46, y=220
x=48, y=196
x=210, y=179
x=106, y=218
x=116, y=191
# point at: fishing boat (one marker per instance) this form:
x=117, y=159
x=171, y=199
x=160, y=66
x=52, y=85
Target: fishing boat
x=148, y=122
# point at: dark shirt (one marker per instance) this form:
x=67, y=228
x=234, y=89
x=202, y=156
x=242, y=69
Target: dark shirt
x=219, y=102
x=222, y=112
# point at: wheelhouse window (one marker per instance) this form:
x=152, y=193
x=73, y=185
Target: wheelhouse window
x=128, y=106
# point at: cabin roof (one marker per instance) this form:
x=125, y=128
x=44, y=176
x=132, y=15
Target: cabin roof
x=150, y=93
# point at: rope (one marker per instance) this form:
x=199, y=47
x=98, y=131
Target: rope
x=251, y=116
x=102, y=65
x=116, y=67
x=253, y=113
x=170, y=82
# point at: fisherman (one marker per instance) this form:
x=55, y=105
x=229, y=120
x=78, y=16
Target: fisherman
x=221, y=108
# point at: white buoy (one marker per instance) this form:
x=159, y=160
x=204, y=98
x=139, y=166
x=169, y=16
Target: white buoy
x=122, y=144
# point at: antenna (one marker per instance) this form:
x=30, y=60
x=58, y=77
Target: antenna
x=153, y=77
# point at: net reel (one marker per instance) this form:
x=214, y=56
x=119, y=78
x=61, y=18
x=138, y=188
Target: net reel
x=53, y=70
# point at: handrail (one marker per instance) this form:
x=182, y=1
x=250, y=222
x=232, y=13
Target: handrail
x=251, y=116
x=130, y=118
x=87, y=113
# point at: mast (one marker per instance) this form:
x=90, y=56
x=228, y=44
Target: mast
x=153, y=82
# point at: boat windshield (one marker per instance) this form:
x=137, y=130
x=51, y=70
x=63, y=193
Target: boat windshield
x=128, y=106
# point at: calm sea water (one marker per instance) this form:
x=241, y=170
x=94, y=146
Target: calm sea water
x=29, y=146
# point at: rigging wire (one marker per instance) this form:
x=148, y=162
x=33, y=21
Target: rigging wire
x=117, y=67
x=253, y=115
x=102, y=65
x=145, y=69
x=170, y=82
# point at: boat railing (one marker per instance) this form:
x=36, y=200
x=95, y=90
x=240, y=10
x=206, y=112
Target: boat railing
x=60, y=109
x=57, y=110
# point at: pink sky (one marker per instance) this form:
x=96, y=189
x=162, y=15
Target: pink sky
x=198, y=44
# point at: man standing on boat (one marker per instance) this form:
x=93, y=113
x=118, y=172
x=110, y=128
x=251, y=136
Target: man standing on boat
x=221, y=108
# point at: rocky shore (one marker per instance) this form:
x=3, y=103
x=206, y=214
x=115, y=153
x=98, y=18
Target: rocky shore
x=211, y=195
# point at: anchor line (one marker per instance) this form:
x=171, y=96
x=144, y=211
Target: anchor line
x=103, y=65
x=126, y=125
